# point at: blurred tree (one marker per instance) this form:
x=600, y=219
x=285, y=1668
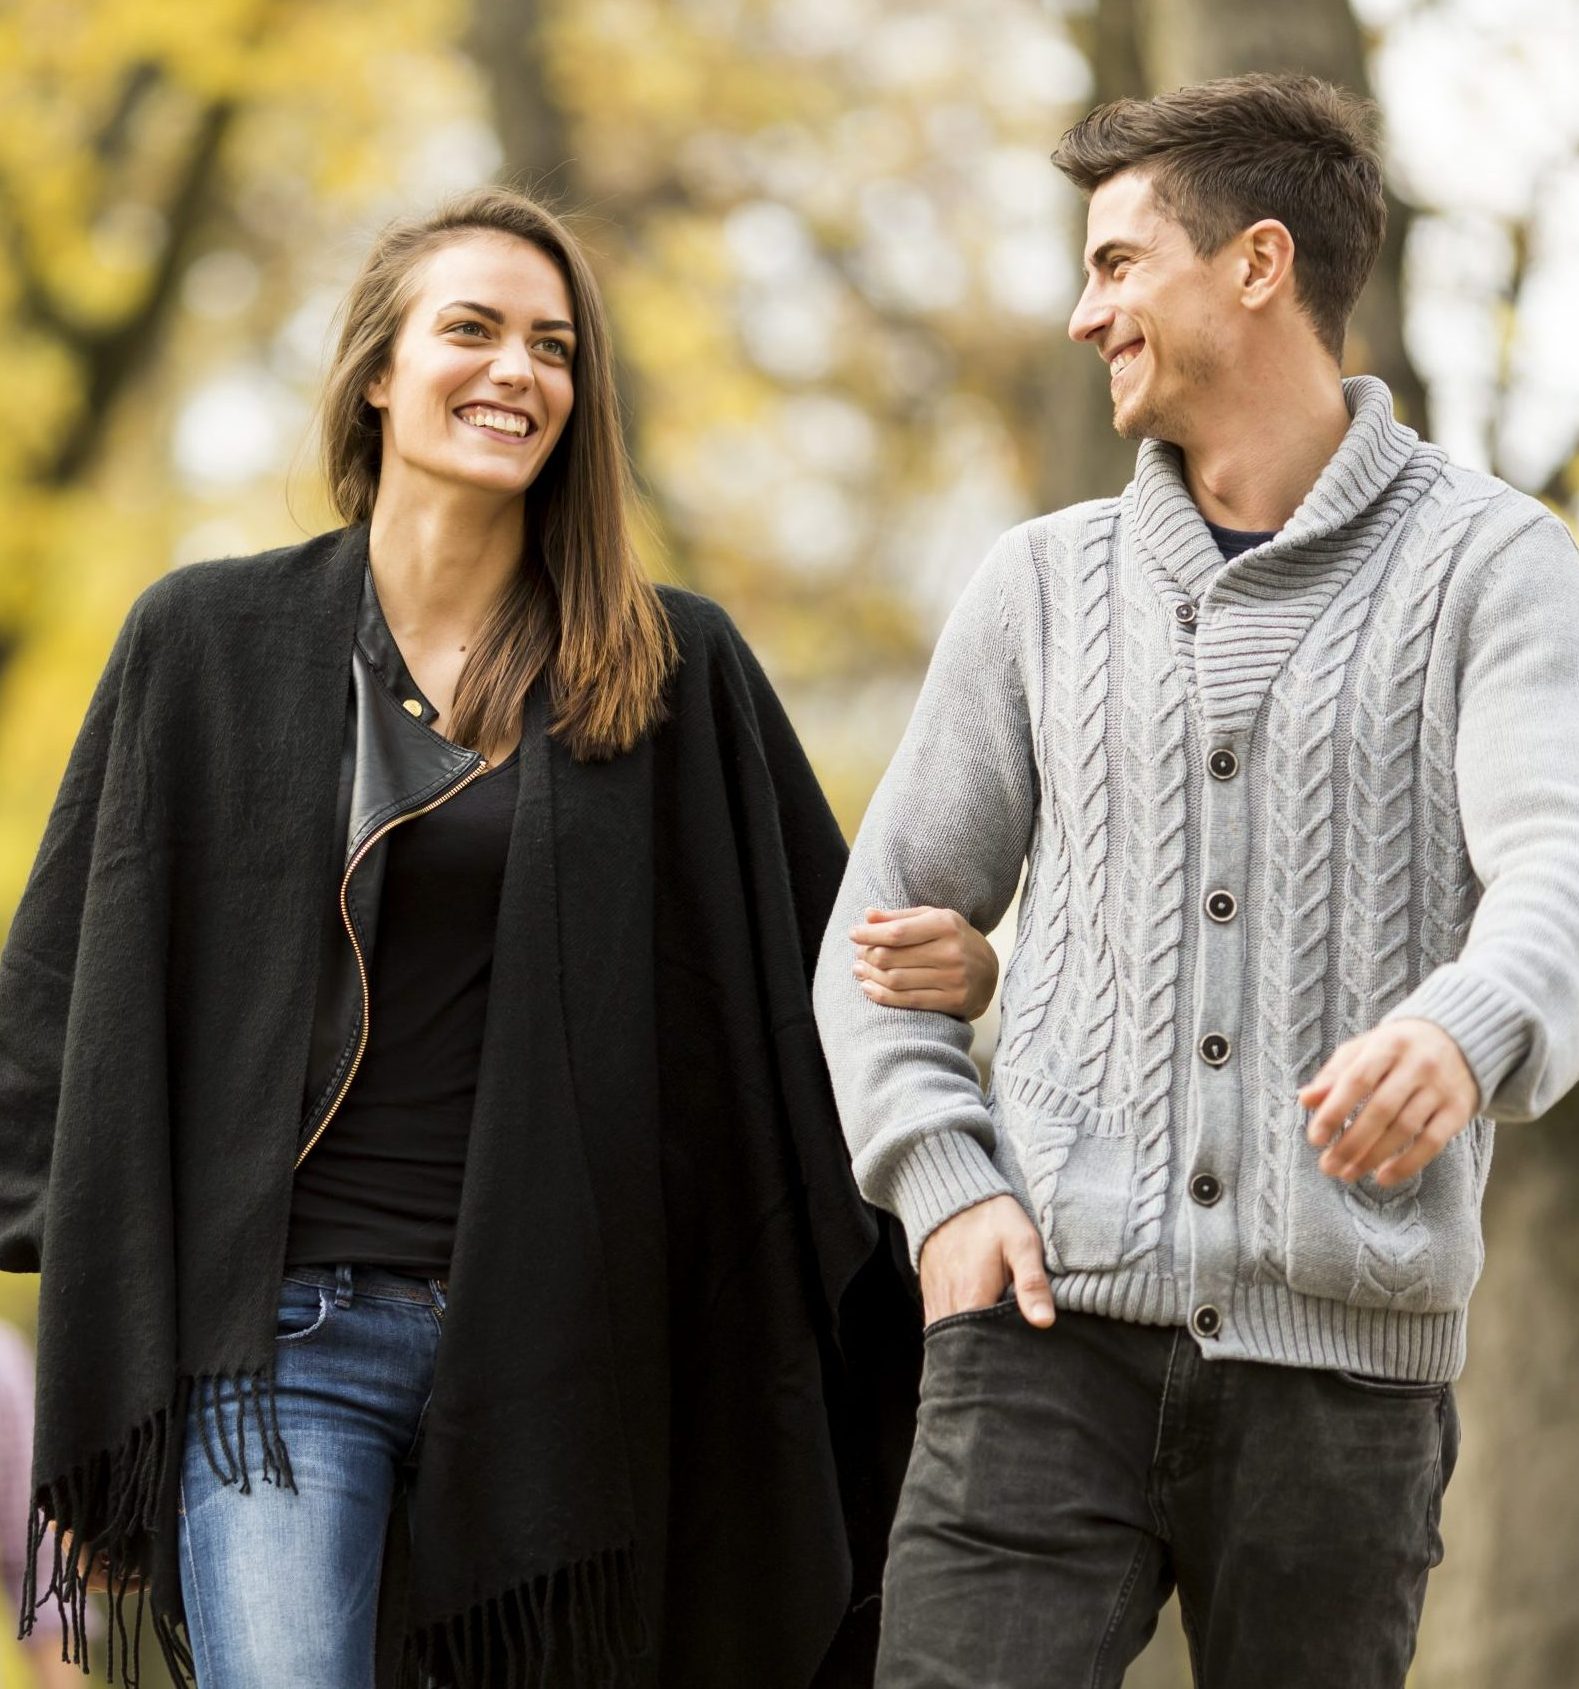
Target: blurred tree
x=839, y=264
x=158, y=165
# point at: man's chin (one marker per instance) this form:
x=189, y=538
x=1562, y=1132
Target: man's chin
x=1137, y=421
x=1130, y=422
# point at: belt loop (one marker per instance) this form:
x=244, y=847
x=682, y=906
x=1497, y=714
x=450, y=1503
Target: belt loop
x=342, y=1285
x=441, y=1292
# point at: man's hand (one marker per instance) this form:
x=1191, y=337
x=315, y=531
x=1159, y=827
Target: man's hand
x=969, y=1261
x=924, y=959
x=1418, y=1095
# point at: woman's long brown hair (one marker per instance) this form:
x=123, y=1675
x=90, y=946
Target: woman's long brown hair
x=580, y=609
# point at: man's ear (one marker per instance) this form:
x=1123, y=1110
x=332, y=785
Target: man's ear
x=1266, y=267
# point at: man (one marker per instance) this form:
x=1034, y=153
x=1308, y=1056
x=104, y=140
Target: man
x=1286, y=737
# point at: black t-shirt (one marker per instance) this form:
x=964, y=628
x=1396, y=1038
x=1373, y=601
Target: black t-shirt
x=383, y=1185
x=1232, y=541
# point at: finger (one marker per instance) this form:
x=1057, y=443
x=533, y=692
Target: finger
x=920, y=928
x=1352, y=1083
x=1351, y=1154
x=1410, y=1123
x=929, y=955
x=1439, y=1132
x=1320, y=1083
x=1028, y=1267
x=911, y=979
x=917, y=999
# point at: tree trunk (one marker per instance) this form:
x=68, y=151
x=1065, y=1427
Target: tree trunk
x=1194, y=40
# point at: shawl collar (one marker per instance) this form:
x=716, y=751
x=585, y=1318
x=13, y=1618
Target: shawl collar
x=1256, y=609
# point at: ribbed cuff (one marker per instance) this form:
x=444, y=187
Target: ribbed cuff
x=1490, y=1028
x=938, y=1176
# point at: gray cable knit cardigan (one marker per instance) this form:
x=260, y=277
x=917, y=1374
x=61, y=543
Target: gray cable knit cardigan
x=1264, y=805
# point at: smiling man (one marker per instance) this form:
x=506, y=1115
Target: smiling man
x=1285, y=737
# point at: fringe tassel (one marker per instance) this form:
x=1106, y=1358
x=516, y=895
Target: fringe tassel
x=109, y=1506
x=580, y=1626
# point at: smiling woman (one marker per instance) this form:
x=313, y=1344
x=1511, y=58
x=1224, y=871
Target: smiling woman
x=453, y=1257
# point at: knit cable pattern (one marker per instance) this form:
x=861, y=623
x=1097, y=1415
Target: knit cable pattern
x=1298, y=890
x=1081, y=641
x=1044, y=902
x=1151, y=904
x=1393, y=1260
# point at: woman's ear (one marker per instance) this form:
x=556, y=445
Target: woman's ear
x=376, y=392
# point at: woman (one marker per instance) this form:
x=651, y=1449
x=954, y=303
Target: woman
x=421, y=944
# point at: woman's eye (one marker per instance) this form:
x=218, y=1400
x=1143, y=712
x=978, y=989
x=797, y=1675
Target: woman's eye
x=468, y=324
x=555, y=348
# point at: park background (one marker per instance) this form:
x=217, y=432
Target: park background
x=839, y=264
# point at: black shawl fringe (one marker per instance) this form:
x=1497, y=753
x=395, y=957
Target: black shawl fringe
x=109, y=1505
x=580, y=1625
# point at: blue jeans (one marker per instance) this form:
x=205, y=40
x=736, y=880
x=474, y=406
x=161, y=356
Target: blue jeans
x=281, y=1586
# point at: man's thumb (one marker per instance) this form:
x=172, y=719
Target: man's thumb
x=1031, y=1288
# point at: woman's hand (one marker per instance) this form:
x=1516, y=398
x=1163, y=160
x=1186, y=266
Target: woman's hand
x=924, y=959
x=96, y=1575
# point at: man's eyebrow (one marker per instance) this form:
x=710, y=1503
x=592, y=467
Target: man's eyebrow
x=497, y=316
x=1104, y=255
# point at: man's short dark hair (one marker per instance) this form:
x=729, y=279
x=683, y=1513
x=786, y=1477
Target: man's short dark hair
x=1222, y=155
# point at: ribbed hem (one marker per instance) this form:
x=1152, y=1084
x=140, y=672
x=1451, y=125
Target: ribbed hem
x=1271, y=1323
x=1491, y=1028
x=939, y=1175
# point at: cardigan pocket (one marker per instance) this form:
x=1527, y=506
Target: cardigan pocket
x=1411, y=1248
x=1078, y=1158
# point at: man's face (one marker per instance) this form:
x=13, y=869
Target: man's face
x=1162, y=317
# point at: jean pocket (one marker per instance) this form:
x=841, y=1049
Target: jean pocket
x=302, y=1312
x=973, y=1316
x=1402, y=1389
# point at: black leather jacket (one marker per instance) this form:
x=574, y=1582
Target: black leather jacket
x=393, y=767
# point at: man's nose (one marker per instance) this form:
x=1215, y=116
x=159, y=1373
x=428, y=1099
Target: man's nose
x=1091, y=316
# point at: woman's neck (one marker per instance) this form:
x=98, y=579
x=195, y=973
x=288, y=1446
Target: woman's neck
x=440, y=565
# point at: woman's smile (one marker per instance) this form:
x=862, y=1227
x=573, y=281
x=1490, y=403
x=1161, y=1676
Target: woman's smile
x=499, y=422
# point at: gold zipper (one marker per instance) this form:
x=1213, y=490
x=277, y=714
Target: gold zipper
x=361, y=961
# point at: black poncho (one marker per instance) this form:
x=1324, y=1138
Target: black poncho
x=671, y=1402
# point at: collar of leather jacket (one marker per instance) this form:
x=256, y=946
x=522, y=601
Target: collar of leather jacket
x=392, y=767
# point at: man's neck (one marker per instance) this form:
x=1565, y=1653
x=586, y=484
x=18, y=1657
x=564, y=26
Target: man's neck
x=1264, y=451
x=440, y=562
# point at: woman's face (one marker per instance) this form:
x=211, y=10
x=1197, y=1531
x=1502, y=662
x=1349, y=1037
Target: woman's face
x=480, y=383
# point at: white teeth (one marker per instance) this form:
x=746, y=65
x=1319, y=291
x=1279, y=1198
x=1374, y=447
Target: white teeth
x=1122, y=363
x=505, y=421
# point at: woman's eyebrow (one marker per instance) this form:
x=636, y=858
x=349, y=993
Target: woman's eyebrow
x=497, y=316
x=487, y=311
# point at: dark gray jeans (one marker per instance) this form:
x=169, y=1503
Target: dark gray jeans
x=1063, y=1482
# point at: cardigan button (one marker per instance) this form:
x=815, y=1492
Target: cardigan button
x=1206, y=1188
x=1220, y=905
x=1222, y=764
x=1206, y=1321
x=412, y=706
x=1215, y=1049
x=1184, y=614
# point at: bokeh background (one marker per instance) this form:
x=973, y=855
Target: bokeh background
x=839, y=265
